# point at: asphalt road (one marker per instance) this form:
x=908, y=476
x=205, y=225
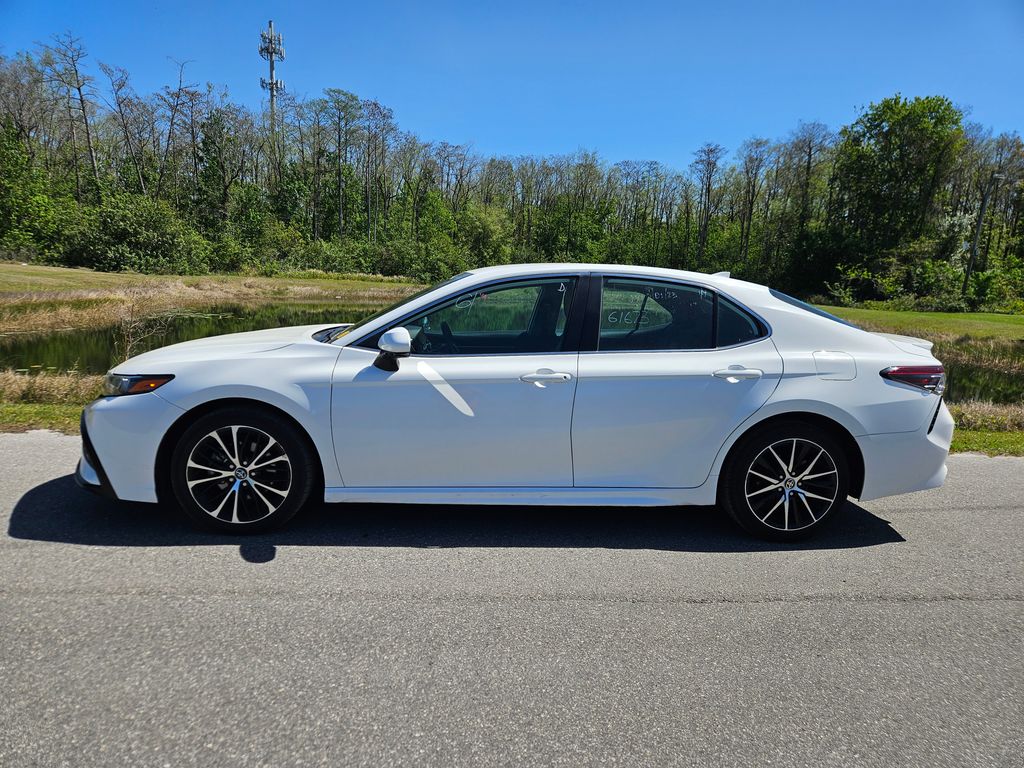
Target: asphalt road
x=440, y=636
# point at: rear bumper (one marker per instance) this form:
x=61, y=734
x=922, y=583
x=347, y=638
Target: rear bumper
x=902, y=462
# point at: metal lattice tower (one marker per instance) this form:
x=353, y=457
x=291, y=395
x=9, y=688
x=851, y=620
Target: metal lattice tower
x=272, y=49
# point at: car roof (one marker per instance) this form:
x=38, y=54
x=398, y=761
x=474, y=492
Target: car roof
x=720, y=280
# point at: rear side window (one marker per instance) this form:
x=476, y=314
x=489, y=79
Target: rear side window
x=735, y=326
x=649, y=315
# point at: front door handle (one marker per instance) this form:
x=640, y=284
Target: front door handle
x=545, y=376
x=735, y=373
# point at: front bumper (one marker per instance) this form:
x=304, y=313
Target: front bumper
x=120, y=440
x=902, y=462
x=90, y=474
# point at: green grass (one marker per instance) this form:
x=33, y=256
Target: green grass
x=980, y=325
x=20, y=417
x=991, y=443
x=17, y=278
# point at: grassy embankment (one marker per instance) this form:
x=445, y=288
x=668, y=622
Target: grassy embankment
x=40, y=299
x=35, y=299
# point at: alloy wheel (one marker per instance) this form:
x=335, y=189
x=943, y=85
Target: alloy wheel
x=238, y=474
x=791, y=484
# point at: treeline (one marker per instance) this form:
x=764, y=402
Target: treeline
x=909, y=204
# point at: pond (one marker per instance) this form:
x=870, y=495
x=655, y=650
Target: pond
x=972, y=382
x=96, y=350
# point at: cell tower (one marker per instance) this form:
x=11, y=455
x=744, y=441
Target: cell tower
x=272, y=49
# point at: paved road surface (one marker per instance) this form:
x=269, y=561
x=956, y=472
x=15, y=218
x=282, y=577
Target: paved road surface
x=439, y=636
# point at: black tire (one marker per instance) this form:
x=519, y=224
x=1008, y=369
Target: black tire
x=785, y=481
x=218, y=493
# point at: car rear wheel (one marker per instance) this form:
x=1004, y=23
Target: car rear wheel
x=241, y=470
x=785, y=481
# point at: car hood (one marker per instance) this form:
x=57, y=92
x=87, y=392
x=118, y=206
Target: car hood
x=225, y=347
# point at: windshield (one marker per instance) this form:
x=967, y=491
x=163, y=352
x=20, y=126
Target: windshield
x=347, y=329
x=808, y=307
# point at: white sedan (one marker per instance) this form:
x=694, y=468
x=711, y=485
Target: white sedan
x=532, y=384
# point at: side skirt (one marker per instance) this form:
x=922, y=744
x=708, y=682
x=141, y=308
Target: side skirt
x=583, y=497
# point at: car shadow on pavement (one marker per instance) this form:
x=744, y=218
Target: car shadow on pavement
x=59, y=511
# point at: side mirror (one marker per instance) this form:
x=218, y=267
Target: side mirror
x=393, y=344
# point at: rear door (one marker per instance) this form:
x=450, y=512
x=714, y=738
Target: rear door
x=668, y=370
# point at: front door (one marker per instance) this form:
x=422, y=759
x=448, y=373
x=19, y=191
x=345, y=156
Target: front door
x=672, y=370
x=484, y=400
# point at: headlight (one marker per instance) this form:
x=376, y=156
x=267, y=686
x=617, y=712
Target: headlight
x=118, y=384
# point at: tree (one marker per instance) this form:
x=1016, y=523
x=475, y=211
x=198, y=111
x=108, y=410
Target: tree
x=891, y=164
x=65, y=60
x=344, y=110
x=707, y=169
x=753, y=156
x=905, y=202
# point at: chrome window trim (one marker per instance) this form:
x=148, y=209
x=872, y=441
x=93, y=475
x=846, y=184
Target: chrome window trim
x=666, y=351
x=595, y=276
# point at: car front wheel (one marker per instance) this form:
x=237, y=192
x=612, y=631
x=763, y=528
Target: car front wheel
x=785, y=481
x=241, y=470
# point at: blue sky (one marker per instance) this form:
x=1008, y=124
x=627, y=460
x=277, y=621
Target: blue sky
x=640, y=80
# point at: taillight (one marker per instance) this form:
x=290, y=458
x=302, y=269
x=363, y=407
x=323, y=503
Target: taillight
x=929, y=377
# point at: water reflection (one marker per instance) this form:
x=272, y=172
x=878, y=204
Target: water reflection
x=95, y=350
x=970, y=382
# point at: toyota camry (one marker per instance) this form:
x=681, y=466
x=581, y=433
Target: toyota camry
x=532, y=384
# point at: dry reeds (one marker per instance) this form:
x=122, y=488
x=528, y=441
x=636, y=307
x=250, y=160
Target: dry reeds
x=68, y=388
x=988, y=417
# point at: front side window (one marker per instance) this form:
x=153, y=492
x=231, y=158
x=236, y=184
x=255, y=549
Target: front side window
x=651, y=315
x=336, y=333
x=510, y=318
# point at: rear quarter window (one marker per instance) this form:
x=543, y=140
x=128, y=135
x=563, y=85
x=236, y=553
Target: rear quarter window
x=808, y=307
x=734, y=326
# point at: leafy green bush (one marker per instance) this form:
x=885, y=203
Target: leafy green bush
x=135, y=233
x=938, y=284
x=227, y=254
x=997, y=290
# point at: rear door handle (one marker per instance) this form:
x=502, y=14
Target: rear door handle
x=735, y=373
x=545, y=376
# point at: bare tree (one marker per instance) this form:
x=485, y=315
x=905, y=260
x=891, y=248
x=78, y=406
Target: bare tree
x=707, y=168
x=172, y=100
x=344, y=110
x=120, y=91
x=753, y=156
x=809, y=141
x=26, y=100
x=66, y=56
